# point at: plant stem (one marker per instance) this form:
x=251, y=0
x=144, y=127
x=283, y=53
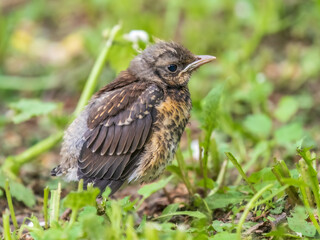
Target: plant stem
x=249, y=206
x=291, y=191
x=92, y=81
x=55, y=205
x=307, y=206
x=73, y=217
x=9, y=200
x=215, y=157
x=237, y=165
x=12, y=164
x=312, y=175
x=183, y=170
x=302, y=167
x=6, y=225
x=45, y=206
x=275, y=193
x=220, y=178
x=80, y=185
x=189, y=139
x=206, y=146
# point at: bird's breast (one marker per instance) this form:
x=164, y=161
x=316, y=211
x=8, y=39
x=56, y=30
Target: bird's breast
x=172, y=115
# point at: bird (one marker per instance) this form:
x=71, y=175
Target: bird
x=130, y=129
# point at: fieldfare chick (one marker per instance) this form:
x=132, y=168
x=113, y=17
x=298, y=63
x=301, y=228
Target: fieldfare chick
x=130, y=129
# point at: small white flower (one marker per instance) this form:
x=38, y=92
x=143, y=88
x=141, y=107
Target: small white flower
x=135, y=36
x=42, y=223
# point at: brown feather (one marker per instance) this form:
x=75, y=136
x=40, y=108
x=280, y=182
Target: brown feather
x=118, y=172
x=146, y=130
x=117, y=135
x=120, y=125
x=93, y=136
x=138, y=132
x=101, y=137
x=114, y=167
x=131, y=133
x=100, y=173
x=123, y=140
x=108, y=140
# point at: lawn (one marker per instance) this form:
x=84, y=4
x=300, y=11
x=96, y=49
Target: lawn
x=247, y=165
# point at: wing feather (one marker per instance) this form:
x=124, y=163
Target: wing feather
x=100, y=139
x=93, y=135
x=131, y=133
x=117, y=135
x=108, y=140
x=123, y=140
x=146, y=130
x=119, y=124
x=138, y=133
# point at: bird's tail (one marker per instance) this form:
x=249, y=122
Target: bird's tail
x=57, y=171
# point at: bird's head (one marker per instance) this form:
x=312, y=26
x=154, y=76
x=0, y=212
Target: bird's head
x=167, y=62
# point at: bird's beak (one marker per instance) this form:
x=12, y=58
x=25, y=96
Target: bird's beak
x=200, y=60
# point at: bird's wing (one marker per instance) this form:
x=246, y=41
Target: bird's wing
x=119, y=124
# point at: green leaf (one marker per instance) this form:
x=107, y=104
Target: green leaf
x=195, y=214
x=106, y=192
x=77, y=200
x=220, y=226
x=149, y=189
x=87, y=211
x=211, y=108
x=175, y=169
x=36, y=231
x=260, y=90
x=287, y=107
x=28, y=108
x=263, y=175
x=126, y=204
x=210, y=183
x=298, y=223
x=258, y=124
x=289, y=133
x=221, y=200
x=91, y=223
x=121, y=53
x=169, y=209
x=225, y=236
x=19, y=191
x=279, y=206
x=73, y=233
x=142, y=224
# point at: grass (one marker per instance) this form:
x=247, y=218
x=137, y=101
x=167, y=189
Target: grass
x=247, y=166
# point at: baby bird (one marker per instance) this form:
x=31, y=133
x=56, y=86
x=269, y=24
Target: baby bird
x=130, y=129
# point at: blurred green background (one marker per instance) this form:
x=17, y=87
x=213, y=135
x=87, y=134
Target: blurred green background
x=268, y=60
x=267, y=68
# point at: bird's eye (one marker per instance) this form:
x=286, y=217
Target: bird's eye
x=172, y=67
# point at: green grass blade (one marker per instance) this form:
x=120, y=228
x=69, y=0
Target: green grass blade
x=45, y=207
x=9, y=200
x=6, y=225
x=249, y=206
x=240, y=170
x=92, y=81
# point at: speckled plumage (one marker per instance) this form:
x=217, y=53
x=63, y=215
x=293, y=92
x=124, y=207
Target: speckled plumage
x=130, y=129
